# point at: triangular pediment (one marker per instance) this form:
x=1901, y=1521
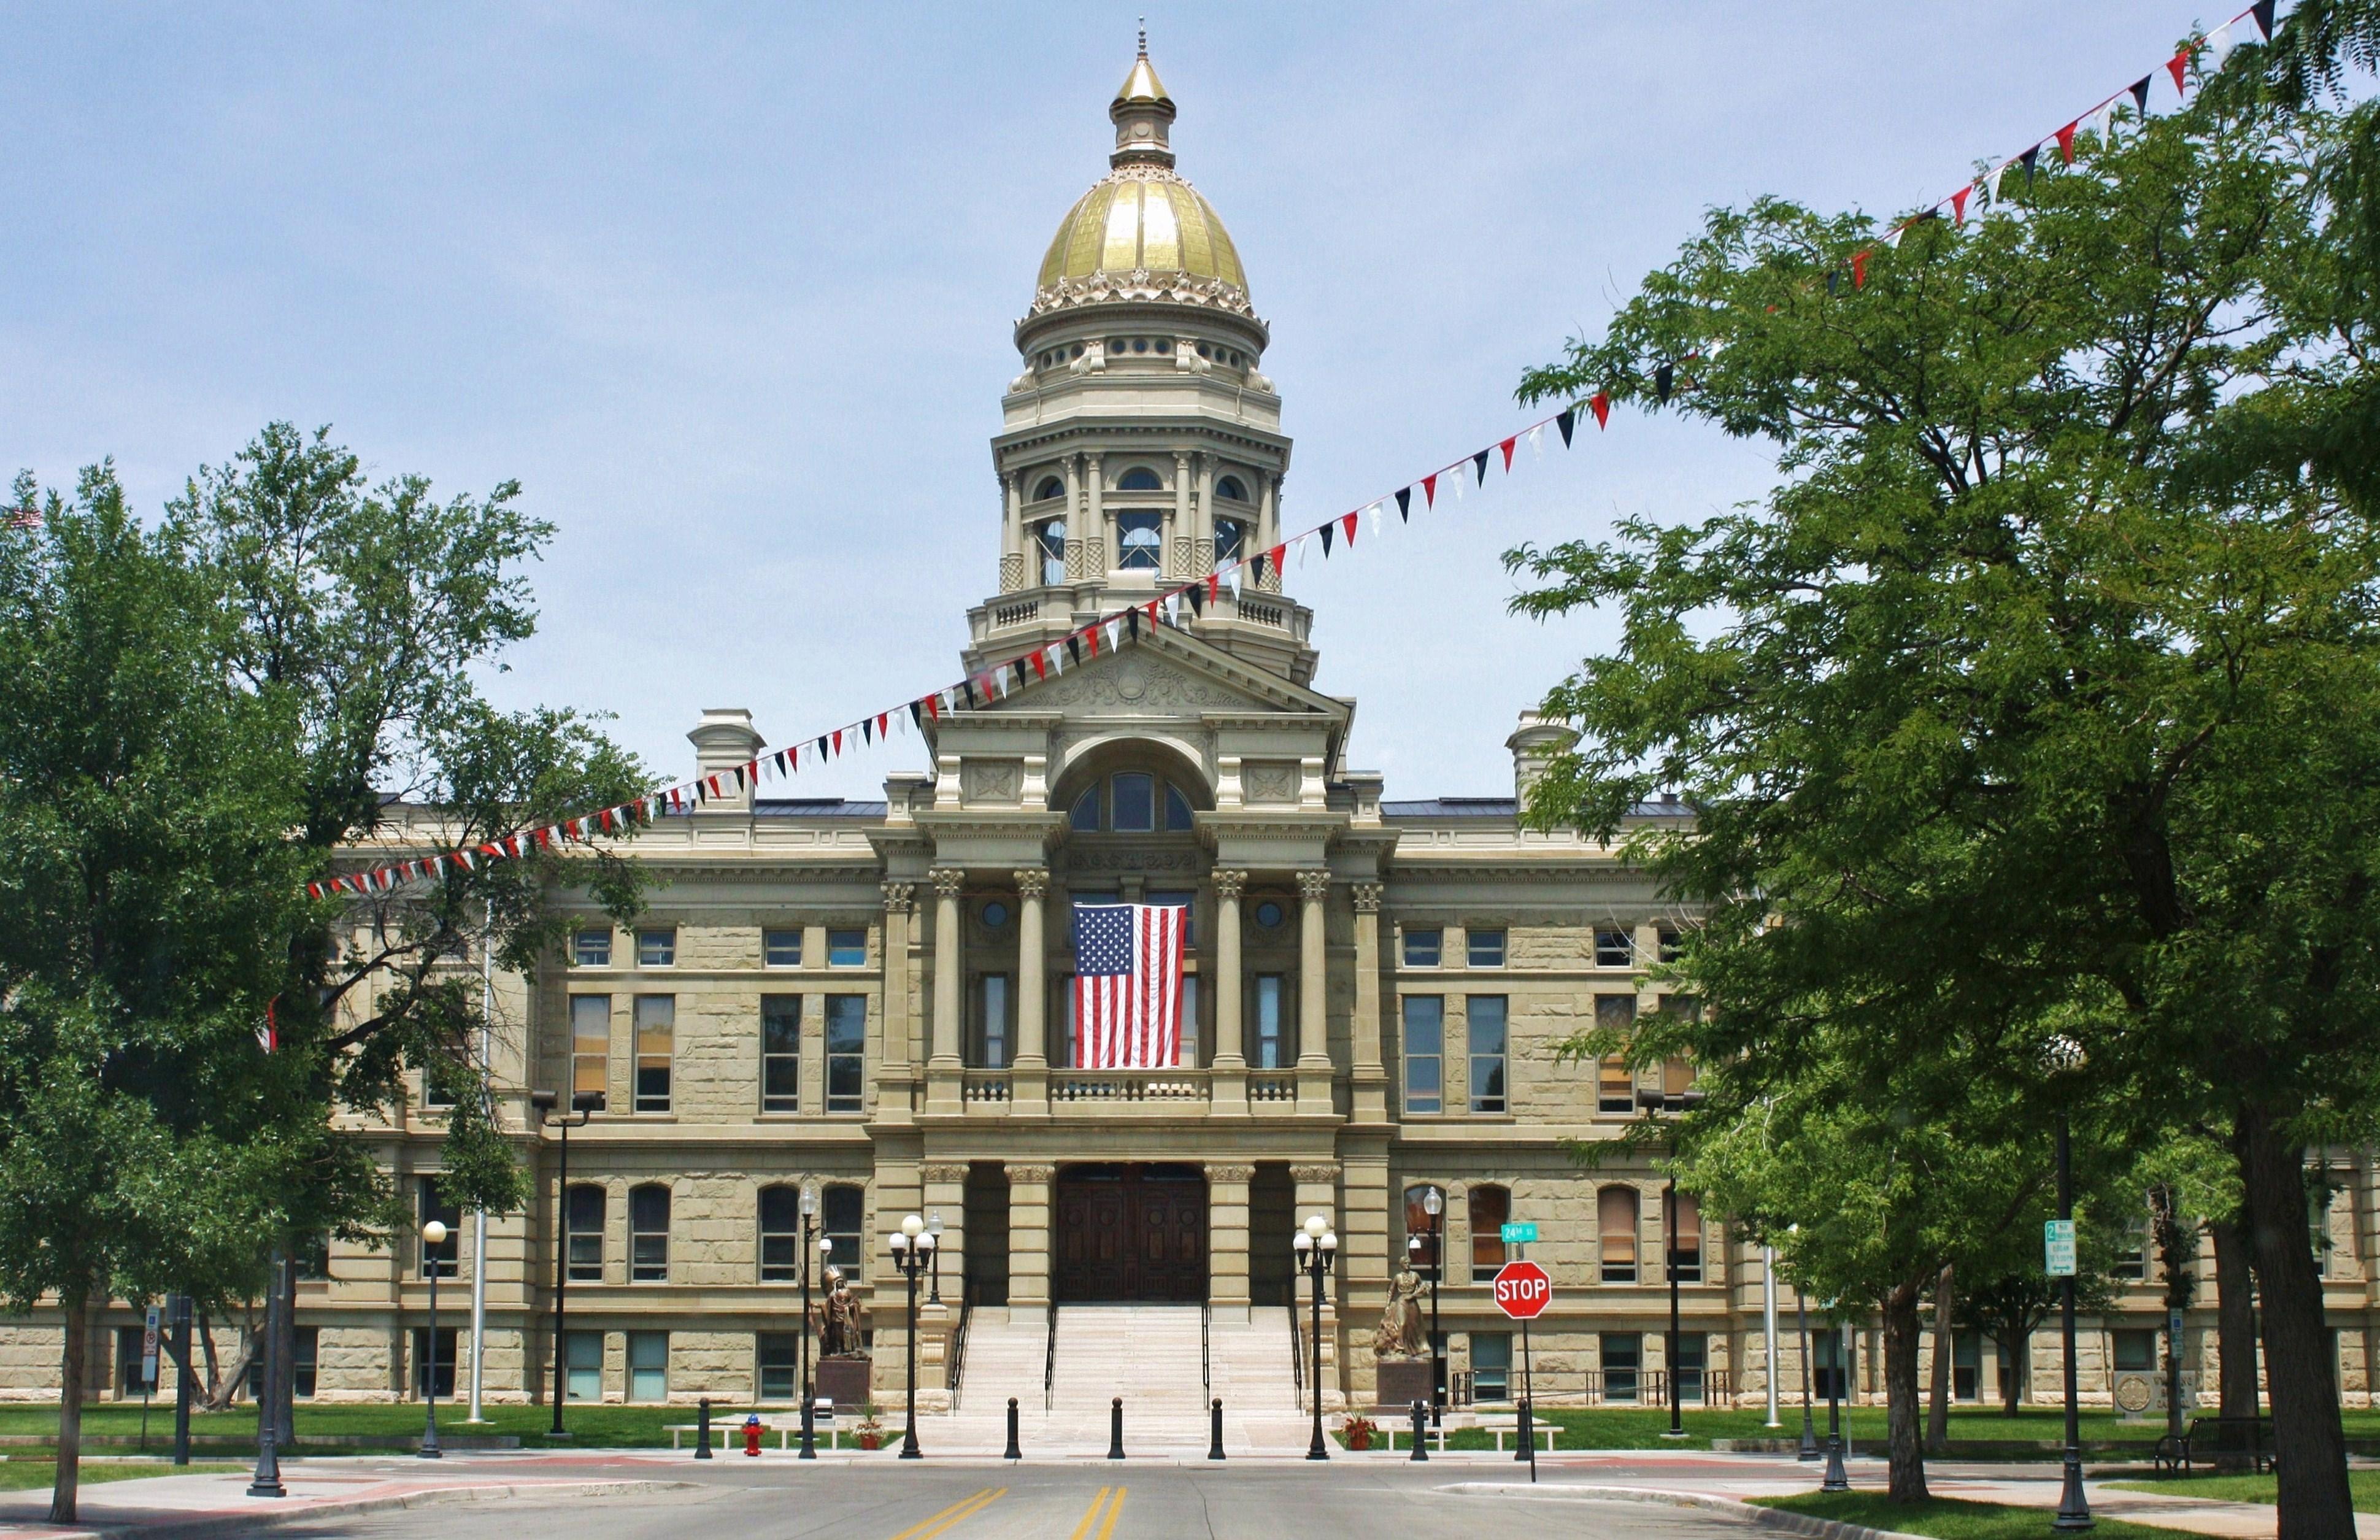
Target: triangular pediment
x=1166, y=674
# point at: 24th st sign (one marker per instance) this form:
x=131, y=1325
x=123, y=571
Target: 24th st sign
x=1523, y=1290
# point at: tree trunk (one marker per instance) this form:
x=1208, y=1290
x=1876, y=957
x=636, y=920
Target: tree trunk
x=1938, y=1411
x=2017, y=1343
x=2299, y=1360
x=214, y=1369
x=2235, y=1331
x=71, y=1367
x=1902, y=1329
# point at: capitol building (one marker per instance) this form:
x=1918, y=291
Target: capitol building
x=869, y=1002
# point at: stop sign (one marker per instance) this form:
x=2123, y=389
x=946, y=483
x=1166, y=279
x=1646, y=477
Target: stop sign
x=1523, y=1290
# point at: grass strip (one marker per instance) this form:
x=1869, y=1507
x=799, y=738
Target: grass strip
x=2365, y=1485
x=25, y=1476
x=1949, y=1518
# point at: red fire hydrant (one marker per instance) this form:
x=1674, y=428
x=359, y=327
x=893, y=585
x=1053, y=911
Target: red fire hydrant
x=752, y=1434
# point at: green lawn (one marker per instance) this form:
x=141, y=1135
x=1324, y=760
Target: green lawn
x=1948, y=1517
x=24, y=1476
x=2365, y=1485
x=591, y=1426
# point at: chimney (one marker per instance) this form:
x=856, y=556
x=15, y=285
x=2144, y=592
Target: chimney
x=1536, y=741
x=724, y=742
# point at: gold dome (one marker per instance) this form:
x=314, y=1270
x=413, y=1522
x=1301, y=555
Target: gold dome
x=1142, y=219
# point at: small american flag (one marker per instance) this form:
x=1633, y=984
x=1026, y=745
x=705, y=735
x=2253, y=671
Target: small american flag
x=1127, y=985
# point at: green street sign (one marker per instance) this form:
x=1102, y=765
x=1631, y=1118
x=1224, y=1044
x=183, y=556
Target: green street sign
x=1520, y=1234
x=2058, y=1247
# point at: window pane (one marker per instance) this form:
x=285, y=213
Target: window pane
x=1422, y=948
x=1615, y=1083
x=1491, y=1365
x=1179, y=818
x=846, y=1047
x=1486, y=1031
x=583, y=1365
x=1052, y=535
x=1623, y=1355
x=781, y=1235
x=591, y=949
x=1491, y=1208
x=1425, y=1035
x=433, y=1358
x=656, y=949
x=992, y=993
x=1616, y=1211
x=590, y=1042
x=1268, y=1023
x=1228, y=540
x=1487, y=948
x=649, y=1366
x=1138, y=539
x=841, y=1211
x=304, y=1363
x=847, y=949
x=584, y=1226
x=781, y=949
x=444, y=1258
x=656, y=1037
x=1423, y=1226
x=1613, y=949
x=1685, y=1237
x=780, y=1053
x=649, y=1223
x=1085, y=818
x=779, y=1356
x=1135, y=804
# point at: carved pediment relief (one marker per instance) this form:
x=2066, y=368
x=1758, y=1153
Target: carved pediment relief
x=1135, y=681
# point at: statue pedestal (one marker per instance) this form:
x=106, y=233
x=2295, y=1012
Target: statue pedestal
x=1402, y=1381
x=844, y=1381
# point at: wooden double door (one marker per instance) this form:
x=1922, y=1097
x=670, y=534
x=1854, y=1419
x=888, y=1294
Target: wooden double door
x=1131, y=1234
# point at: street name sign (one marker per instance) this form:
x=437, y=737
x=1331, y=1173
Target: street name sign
x=2058, y=1247
x=1520, y=1234
x=1523, y=1290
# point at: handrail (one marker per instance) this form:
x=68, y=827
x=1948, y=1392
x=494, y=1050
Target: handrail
x=1206, y=1352
x=1296, y=1357
x=959, y=1341
x=1050, y=1363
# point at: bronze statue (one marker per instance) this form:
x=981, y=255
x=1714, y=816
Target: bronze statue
x=1400, y=1333
x=839, y=1323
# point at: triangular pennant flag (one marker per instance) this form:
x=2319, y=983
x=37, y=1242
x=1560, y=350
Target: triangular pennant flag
x=1958, y=203
x=2140, y=90
x=1151, y=608
x=1041, y=669
x=1536, y=447
x=2263, y=11
x=2065, y=141
x=2179, y=67
x=1075, y=648
x=1833, y=275
x=1196, y=594
x=1214, y=588
x=2030, y=159
x=2219, y=43
x=1404, y=494
x=866, y=730
x=1601, y=404
x=1479, y=461
x=1563, y=419
x=1892, y=236
x=2105, y=118
x=1507, y=447
x=268, y=1036
x=1132, y=621
x=463, y=858
x=881, y=715
x=1114, y=629
x=1347, y=528
x=1859, y=269
x=1019, y=666
x=313, y=890
x=739, y=778
x=968, y=685
x=1429, y=491
x=1275, y=555
x=917, y=715
x=1992, y=188
x=1326, y=542
x=1664, y=377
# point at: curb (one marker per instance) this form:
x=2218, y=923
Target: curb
x=1754, y=1513
x=221, y=1526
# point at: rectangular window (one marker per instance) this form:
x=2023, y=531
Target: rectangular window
x=306, y=1363
x=1613, y=949
x=1484, y=948
x=847, y=949
x=1229, y=538
x=781, y=949
x=780, y=1365
x=583, y=1231
x=1686, y=1238
x=1424, y=1053
x=444, y=1258
x=1967, y=1365
x=433, y=1355
x=437, y=1086
x=1270, y=1043
x=1693, y=1354
x=2136, y=1347
x=1671, y=946
x=1137, y=537
x=2132, y=1262
x=1615, y=1086
x=842, y=1211
x=582, y=1366
x=1423, y=949
x=1132, y=802
x=1189, y=1018
x=591, y=1043
x=649, y=1366
x=1615, y=1211
x=1491, y=1365
x=656, y=1040
x=847, y=1053
x=649, y=1228
x=657, y=948
x=1491, y=1208
x=591, y=949
x=994, y=1004
x=1831, y=1358
x=780, y=1053
x=1623, y=1358
x=1051, y=534
x=130, y=1340
x=1487, y=1036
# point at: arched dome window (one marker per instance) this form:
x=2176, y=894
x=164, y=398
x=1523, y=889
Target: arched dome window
x=1050, y=487
x=1140, y=478
x=1229, y=487
x=1131, y=802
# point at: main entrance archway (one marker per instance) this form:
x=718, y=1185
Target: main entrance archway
x=1130, y=1234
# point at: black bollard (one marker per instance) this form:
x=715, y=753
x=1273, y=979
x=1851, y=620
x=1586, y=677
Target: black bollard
x=1215, y=1430
x=1115, y=1429
x=1528, y=1436
x=809, y=1430
x=1421, y=1430
x=702, y=1431
x=1015, y=1451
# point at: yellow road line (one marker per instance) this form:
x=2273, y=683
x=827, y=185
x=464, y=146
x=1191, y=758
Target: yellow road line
x=1114, y=1509
x=1091, y=1519
x=965, y=1508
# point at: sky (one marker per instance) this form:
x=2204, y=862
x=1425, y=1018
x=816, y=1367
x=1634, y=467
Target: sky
x=729, y=289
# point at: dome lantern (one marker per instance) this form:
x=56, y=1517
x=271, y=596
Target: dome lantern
x=1143, y=114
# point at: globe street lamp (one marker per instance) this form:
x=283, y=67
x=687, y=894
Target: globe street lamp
x=1433, y=1203
x=586, y=1104
x=433, y=1235
x=913, y=1252
x=2065, y=1057
x=1316, y=1247
x=934, y=1229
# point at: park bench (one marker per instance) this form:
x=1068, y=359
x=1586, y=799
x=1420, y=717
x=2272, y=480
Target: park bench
x=1496, y=1427
x=2206, y=1438
x=786, y=1425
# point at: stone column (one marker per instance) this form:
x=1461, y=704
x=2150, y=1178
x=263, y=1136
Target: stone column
x=1182, y=535
x=1313, y=993
x=1268, y=524
x=1077, y=545
x=1028, y=1242
x=1104, y=553
x=1318, y=1193
x=1207, y=500
x=945, y=1070
x=897, y=1071
x=1370, y=1079
x=1229, y=1079
x=1013, y=564
x=1227, y=1239
x=945, y=1188
x=1030, y=1080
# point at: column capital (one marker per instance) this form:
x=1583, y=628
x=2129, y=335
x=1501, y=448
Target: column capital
x=1313, y=884
x=949, y=881
x=1030, y=1173
x=942, y=1174
x=900, y=897
x=1031, y=881
x=1367, y=897
x=1231, y=1173
x=1314, y=1173
x=1229, y=882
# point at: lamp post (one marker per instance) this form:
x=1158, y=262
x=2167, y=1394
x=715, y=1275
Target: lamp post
x=1809, y=1434
x=1316, y=1247
x=586, y=1104
x=2073, y=1507
x=913, y=1252
x=1837, y=1479
x=1768, y=1327
x=934, y=1229
x=1433, y=1203
x=433, y=1235
x=1666, y=1100
x=809, y=1201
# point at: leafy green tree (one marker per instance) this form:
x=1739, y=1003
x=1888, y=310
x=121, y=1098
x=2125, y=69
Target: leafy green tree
x=2026, y=693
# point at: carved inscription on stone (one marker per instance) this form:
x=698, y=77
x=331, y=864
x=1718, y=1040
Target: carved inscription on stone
x=1268, y=781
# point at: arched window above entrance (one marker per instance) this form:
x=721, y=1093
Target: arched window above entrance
x=1131, y=802
x=1140, y=478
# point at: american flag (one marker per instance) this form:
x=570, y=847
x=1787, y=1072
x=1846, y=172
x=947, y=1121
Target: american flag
x=1127, y=985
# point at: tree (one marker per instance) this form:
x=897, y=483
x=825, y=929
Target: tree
x=2010, y=1306
x=2026, y=691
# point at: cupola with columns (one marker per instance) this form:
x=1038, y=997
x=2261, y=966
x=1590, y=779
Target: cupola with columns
x=1141, y=445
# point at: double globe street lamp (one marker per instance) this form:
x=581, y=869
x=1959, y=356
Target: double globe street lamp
x=1433, y=1203
x=1316, y=1247
x=913, y=1252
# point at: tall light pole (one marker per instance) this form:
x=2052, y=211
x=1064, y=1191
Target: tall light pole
x=1433, y=1203
x=586, y=1104
x=487, y=1104
x=1316, y=1247
x=1769, y=1326
x=913, y=1252
x=809, y=1203
x=433, y=1235
x=934, y=1229
x=1670, y=1349
x=2073, y=1507
x=1837, y=1479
